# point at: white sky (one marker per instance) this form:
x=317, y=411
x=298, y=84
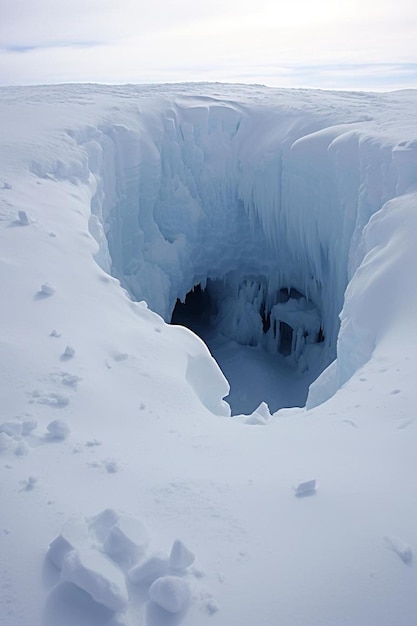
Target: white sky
x=369, y=44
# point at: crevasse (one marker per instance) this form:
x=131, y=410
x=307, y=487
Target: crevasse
x=253, y=207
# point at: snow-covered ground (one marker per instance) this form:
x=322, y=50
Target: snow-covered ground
x=129, y=494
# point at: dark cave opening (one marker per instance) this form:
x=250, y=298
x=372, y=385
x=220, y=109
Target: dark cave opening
x=196, y=311
x=204, y=310
x=265, y=342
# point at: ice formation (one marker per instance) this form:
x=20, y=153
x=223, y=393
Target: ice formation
x=256, y=221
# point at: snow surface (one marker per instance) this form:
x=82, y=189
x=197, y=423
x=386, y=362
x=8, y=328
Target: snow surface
x=287, y=207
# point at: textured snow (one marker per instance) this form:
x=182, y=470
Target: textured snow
x=170, y=593
x=150, y=569
x=95, y=574
x=73, y=536
x=295, y=212
x=127, y=540
x=180, y=556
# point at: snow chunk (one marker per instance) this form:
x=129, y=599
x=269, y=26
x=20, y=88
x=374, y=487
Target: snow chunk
x=73, y=535
x=58, y=429
x=11, y=428
x=23, y=218
x=56, y=400
x=28, y=426
x=307, y=488
x=146, y=572
x=102, y=523
x=30, y=483
x=127, y=540
x=111, y=467
x=170, y=593
x=68, y=353
x=47, y=289
x=97, y=575
x=181, y=557
x=400, y=547
x=5, y=440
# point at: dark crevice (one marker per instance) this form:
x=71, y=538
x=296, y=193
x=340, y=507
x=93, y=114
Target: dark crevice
x=196, y=311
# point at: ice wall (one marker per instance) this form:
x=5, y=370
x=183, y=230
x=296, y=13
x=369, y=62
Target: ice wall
x=200, y=190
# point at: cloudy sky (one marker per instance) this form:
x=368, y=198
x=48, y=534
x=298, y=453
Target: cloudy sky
x=360, y=44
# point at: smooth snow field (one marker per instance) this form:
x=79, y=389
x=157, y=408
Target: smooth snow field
x=143, y=482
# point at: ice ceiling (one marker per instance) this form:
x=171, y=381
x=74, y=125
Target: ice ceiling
x=253, y=221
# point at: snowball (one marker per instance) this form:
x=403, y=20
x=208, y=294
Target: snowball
x=73, y=535
x=146, y=572
x=181, y=557
x=307, y=488
x=170, y=593
x=23, y=218
x=102, y=523
x=97, y=575
x=47, y=289
x=127, y=540
x=58, y=429
x=68, y=353
x=11, y=428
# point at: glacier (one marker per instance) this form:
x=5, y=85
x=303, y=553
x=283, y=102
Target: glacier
x=280, y=226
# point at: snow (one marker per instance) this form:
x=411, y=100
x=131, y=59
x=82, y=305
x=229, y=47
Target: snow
x=292, y=216
x=126, y=541
x=306, y=488
x=180, y=556
x=170, y=593
x=96, y=575
x=150, y=569
x=58, y=429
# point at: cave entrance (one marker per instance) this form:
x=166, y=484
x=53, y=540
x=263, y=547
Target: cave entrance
x=257, y=339
x=195, y=312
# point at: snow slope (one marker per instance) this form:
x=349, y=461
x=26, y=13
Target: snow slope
x=116, y=445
